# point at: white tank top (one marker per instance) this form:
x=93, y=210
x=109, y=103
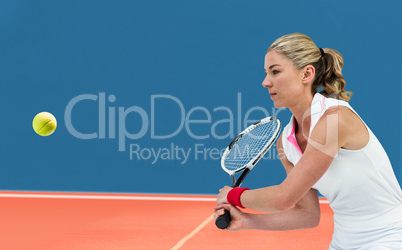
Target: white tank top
x=360, y=186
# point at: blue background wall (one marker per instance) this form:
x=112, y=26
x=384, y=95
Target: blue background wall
x=203, y=54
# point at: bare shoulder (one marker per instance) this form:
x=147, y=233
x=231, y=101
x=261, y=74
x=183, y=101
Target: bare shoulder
x=345, y=114
x=351, y=130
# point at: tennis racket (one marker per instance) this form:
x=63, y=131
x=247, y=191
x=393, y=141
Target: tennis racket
x=245, y=151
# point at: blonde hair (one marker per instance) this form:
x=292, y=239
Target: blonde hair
x=302, y=51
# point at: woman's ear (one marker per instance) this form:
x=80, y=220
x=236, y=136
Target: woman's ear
x=308, y=74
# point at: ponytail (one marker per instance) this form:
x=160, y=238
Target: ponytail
x=329, y=76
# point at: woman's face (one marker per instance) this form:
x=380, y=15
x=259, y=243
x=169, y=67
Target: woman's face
x=283, y=80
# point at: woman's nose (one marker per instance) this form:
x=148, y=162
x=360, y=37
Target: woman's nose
x=266, y=83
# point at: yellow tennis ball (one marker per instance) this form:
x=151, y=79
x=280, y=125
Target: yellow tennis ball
x=44, y=124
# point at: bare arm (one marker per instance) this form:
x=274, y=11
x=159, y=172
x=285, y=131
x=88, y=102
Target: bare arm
x=305, y=214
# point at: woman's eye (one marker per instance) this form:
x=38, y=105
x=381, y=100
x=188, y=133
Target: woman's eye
x=275, y=72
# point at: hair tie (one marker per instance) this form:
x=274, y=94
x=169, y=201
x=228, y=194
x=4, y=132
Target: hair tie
x=322, y=52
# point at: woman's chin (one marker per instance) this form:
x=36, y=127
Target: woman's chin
x=278, y=105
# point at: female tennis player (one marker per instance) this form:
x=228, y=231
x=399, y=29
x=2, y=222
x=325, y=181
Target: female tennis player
x=326, y=147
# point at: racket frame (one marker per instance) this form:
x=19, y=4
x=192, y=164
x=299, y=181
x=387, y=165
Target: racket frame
x=249, y=166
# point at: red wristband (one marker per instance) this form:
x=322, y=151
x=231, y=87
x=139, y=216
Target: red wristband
x=233, y=196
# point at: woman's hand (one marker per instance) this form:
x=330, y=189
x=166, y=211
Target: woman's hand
x=239, y=218
x=223, y=193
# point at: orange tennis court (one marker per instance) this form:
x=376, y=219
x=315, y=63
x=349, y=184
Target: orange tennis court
x=36, y=220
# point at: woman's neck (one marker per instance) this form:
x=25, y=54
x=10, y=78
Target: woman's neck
x=302, y=113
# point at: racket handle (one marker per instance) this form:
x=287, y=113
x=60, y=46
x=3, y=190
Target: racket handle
x=223, y=221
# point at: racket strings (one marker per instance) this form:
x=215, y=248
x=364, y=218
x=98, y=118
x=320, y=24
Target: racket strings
x=250, y=145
